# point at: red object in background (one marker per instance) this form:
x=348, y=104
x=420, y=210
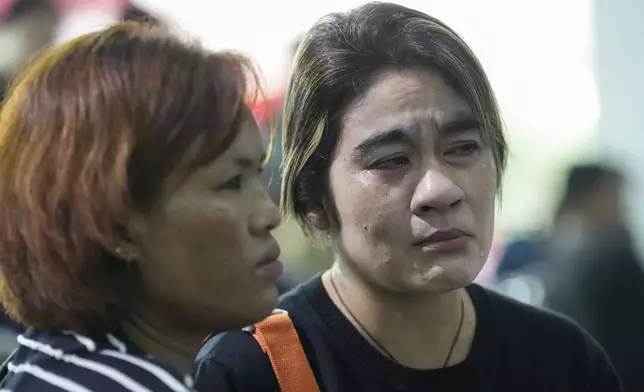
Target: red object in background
x=270, y=106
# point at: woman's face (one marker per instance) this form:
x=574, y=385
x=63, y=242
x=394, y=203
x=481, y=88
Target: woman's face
x=206, y=253
x=411, y=166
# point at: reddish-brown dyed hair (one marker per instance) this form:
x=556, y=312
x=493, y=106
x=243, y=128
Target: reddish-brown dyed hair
x=89, y=131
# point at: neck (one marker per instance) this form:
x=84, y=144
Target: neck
x=162, y=341
x=418, y=331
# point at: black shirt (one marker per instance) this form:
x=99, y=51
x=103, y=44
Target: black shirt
x=66, y=361
x=516, y=348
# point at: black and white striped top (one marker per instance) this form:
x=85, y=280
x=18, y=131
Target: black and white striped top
x=48, y=362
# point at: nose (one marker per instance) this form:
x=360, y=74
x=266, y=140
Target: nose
x=266, y=217
x=435, y=192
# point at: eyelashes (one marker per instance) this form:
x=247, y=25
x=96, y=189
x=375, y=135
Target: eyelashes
x=464, y=149
x=232, y=184
x=391, y=163
x=461, y=152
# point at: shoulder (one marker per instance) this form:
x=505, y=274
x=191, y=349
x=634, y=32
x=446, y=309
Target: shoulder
x=77, y=363
x=517, y=318
x=548, y=339
x=235, y=361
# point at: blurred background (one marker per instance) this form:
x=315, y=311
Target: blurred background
x=569, y=76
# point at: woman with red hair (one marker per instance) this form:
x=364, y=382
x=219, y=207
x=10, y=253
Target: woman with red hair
x=134, y=219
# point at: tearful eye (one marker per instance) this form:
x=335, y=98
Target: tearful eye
x=232, y=184
x=463, y=149
x=391, y=163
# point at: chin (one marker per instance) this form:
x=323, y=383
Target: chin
x=255, y=307
x=446, y=273
x=439, y=282
x=442, y=286
x=262, y=305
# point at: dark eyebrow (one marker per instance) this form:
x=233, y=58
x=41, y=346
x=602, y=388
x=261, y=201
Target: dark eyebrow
x=460, y=123
x=380, y=139
x=246, y=162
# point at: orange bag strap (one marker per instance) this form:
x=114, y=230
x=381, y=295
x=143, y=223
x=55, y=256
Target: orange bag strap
x=278, y=338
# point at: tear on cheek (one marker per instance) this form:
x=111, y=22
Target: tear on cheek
x=366, y=178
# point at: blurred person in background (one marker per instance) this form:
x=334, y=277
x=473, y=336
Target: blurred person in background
x=134, y=218
x=394, y=151
x=521, y=253
x=26, y=26
x=591, y=271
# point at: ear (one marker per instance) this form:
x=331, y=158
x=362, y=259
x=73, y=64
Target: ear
x=319, y=219
x=125, y=250
x=126, y=244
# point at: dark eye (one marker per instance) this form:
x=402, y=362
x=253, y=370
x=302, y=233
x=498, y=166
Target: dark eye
x=463, y=149
x=232, y=184
x=392, y=163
